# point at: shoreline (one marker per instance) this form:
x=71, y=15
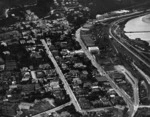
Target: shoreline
x=138, y=28
x=146, y=19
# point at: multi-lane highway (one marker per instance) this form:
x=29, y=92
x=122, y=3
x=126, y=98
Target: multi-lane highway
x=114, y=33
x=128, y=47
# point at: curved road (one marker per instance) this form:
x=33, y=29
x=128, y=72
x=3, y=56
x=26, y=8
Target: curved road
x=120, y=92
x=113, y=31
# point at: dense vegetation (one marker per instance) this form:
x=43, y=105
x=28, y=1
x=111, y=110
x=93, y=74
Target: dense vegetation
x=10, y=3
x=98, y=6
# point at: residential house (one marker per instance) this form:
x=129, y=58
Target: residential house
x=9, y=109
x=94, y=50
x=40, y=74
x=58, y=94
x=54, y=85
x=87, y=85
x=77, y=81
x=2, y=64
x=117, y=75
x=74, y=73
x=25, y=105
x=79, y=65
x=101, y=78
x=26, y=76
x=10, y=64
x=105, y=101
x=28, y=88
x=84, y=103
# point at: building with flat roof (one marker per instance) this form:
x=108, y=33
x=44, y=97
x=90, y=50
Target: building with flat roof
x=94, y=50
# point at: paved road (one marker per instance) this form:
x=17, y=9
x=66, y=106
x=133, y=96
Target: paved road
x=144, y=106
x=114, y=34
x=103, y=73
x=62, y=77
x=53, y=110
x=138, y=51
x=105, y=108
x=142, y=73
x=98, y=109
x=133, y=82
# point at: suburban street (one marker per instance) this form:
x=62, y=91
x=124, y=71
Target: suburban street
x=53, y=110
x=103, y=73
x=105, y=108
x=75, y=58
x=62, y=77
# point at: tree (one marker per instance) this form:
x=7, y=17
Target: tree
x=65, y=114
x=44, y=115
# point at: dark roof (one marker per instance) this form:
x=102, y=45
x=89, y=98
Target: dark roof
x=117, y=75
x=9, y=109
x=101, y=78
x=11, y=64
x=87, y=25
x=40, y=74
x=28, y=88
x=1, y=61
x=88, y=41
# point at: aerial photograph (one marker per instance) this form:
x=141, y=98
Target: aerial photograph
x=74, y=58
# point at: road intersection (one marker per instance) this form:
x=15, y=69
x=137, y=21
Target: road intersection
x=62, y=77
x=120, y=92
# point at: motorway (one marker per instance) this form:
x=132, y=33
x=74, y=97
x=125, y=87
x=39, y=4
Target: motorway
x=113, y=31
x=123, y=43
x=62, y=77
x=142, y=73
x=120, y=92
